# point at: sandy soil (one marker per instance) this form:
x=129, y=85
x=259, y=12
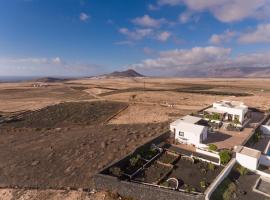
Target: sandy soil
x=19, y=194
x=68, y=156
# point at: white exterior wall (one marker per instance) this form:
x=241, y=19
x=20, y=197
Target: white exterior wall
x=189, y=137
x=247, y=161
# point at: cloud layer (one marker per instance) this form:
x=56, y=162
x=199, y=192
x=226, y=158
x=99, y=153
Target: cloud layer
x=202, y=57
x=260, y=35
x=45, y=67
x=147, y=21
x=225, y=10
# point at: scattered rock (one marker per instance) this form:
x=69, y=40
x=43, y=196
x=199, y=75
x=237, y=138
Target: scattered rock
x=103, y=145
x=36, y=162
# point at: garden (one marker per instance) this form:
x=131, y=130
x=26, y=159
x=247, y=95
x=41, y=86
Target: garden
x=136, y=162
x=167, y=169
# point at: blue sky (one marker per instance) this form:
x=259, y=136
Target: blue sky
x=88, y=37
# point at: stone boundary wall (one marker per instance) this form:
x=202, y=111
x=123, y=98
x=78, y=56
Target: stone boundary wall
x=140, y=191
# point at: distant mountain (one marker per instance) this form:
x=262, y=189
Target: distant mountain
x=234, y=72
x=128, y=73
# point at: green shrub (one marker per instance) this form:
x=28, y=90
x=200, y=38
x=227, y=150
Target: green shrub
x=256, y=137
x=225, y=156
x=242, y=170
x=215, y=116
x=211, y=166
x=212, y=147
x=236, y=121
x=203, y=184
x=133, y=161
x=228, y=194
x=116, y=171
x=225, y=190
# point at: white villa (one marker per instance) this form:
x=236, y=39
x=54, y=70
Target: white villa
x=187, y=130
x=229, y=110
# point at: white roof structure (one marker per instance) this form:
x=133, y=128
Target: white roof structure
x=189, y=127
x=231, y=104
x=248, y=152
x=188, y=119
x=188, y=124
x=214, y=110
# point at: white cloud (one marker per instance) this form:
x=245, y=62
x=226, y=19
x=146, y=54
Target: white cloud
x=136, y=34
x=226, y=10
x=182, y=58
x=34, y=66
x=184, y=17
x=260, y=35
x=57, y=61
x=84, y=17
x=200, y=58
x=221, y=38
x=169, y=2
x=148, y=51
x=147, y=21
x=31, y=60
x=153, y=7
x=163, y=36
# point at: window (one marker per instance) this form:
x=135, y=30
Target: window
x=181, y=134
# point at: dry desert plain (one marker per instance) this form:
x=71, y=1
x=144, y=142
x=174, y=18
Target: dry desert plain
x=61, y=133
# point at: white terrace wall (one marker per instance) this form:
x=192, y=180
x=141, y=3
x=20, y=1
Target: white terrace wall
x=208, y=153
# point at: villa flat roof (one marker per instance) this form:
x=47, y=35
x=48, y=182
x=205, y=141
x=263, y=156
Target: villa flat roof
x=214, y=110
x=187, y=119
x=191, y=119
x=248, y=151
x=232, y=104
x=191, y=128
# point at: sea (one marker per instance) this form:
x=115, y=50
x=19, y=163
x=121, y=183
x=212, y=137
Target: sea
x=17, y=78
x=14, y=79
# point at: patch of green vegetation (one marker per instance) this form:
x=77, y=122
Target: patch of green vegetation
x=212, y=147
x=214, y=116
x=203, y=184
x=225, y=190
x=134, y=160
x=211, y=166
x=242, y=170
x=225, y=156
x=116, y=171
x=236, y=121
x=256, y=137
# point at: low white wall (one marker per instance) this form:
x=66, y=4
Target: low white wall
x=265, y=160
x=208, y=153
x=263, y=174
x=265, y=129
x=224, y=173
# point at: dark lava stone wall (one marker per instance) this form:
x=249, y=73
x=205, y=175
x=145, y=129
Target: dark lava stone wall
x=139, y=191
